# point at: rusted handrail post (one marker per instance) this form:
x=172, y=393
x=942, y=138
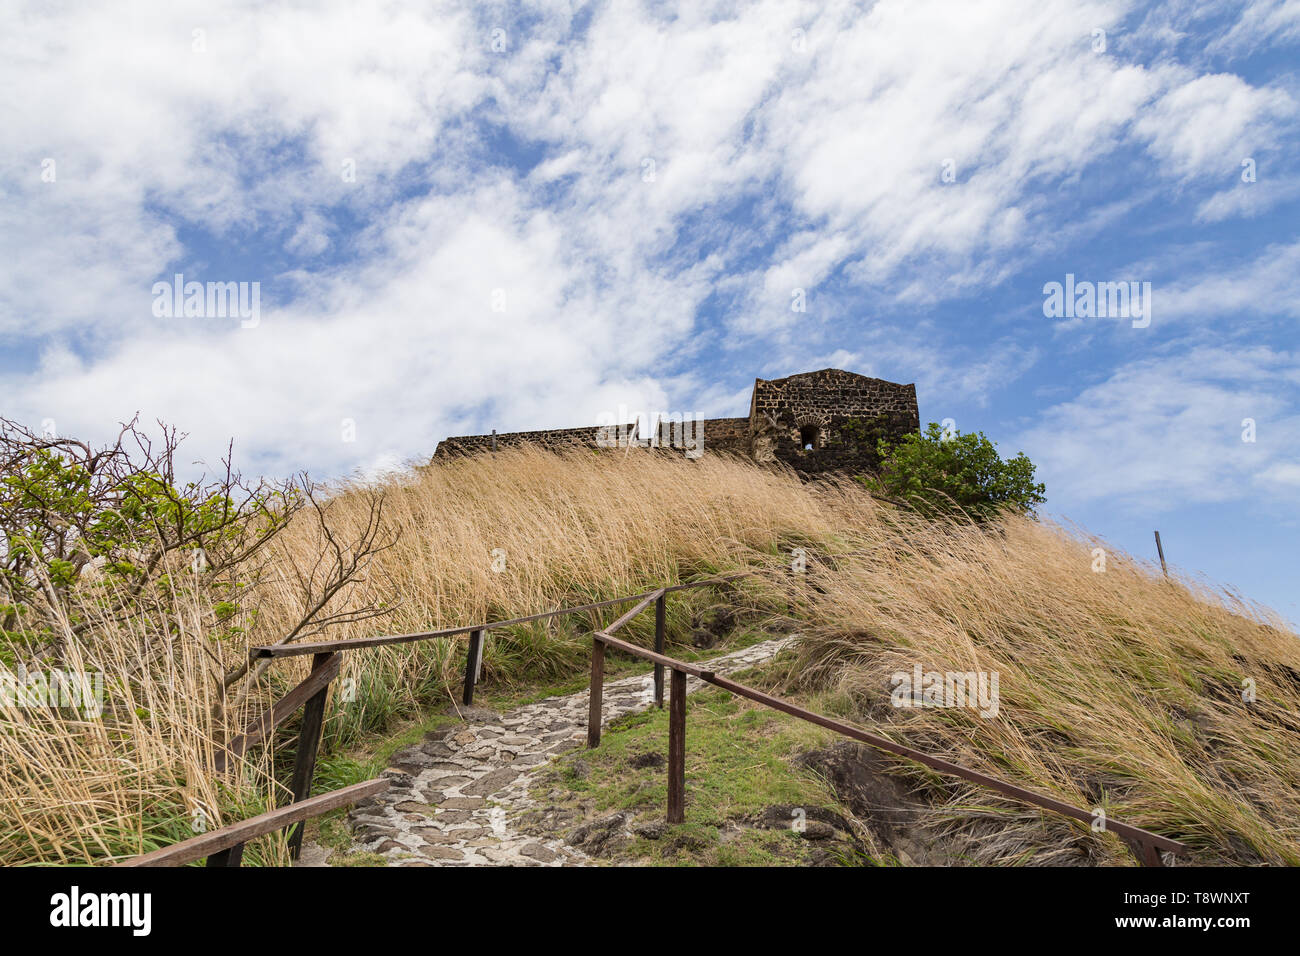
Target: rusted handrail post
x=677, y=749
x=661, y=613
x=304, y=765
x=473, y=666
x=597, y=691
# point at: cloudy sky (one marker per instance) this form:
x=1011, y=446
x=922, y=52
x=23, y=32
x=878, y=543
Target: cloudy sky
x=471, y=215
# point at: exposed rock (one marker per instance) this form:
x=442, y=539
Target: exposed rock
x=785, y=816
x=454, y=816
x=651, y=831
x=491, y=782
x=412, y=760
x=473, y=715
x=601, y=836
x=442, y=853
x=538, y=852
x=687, y=840
x=712, y=624
x=860, y=779
x=462, y=803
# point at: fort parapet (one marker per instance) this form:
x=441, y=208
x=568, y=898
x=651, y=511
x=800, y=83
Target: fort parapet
x=814, y=421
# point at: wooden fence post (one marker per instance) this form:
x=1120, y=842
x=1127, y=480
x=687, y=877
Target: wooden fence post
x=473, y=666
x=661, y=612
x=677, y=749
x=597, y=691
x=1147, y=853
x=1161, y=551
x=304, y=765
x=231, y=857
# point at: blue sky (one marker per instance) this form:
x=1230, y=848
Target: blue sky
x=467, y=216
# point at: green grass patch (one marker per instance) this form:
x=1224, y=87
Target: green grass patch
x=743, y=785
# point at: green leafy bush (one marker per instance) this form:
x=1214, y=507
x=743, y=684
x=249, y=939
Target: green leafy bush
x=940, y=473
x=104, y=531
x=89, y=536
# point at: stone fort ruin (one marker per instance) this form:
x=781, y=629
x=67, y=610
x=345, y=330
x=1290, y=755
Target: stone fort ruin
x=814, y=422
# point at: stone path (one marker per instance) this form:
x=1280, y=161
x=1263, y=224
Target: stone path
x=455, y=796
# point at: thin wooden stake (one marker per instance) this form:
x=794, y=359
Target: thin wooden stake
x=597, y=691
x=677, y=749
x=1160, y=549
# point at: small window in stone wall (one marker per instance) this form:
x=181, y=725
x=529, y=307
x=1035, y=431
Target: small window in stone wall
x=809, y=436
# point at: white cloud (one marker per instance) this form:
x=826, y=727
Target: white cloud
x=1283, y=473
x=1247, y=200
x=840, y=144
x=1261, y=22
x=410, y=348
x=1169, y=431
x=1209, y=124
x=1266, y=284
x=311, y=238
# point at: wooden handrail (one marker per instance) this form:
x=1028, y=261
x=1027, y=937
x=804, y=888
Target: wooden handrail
x=278, y=713
x=641, y=606
x=1124, y=830
x=672, y=662
x=1147, y=844
x=358, y=643
x=226, y=844
x=352, y=644
x=237, y=834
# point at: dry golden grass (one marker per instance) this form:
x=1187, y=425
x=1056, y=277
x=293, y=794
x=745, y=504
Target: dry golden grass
x=573, y=529
x=1118, y=689
x=81, y=786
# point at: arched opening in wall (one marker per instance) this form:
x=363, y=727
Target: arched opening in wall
x=808, y=437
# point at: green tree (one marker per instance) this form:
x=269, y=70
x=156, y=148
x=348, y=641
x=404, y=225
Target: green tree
x=938, y=473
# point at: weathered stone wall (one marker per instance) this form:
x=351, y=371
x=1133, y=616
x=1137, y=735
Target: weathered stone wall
x=726, y=434
x=549, y=438
x=842, y=413
x=815, y=396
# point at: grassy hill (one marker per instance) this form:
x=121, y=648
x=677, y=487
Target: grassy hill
x=1118, y=689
